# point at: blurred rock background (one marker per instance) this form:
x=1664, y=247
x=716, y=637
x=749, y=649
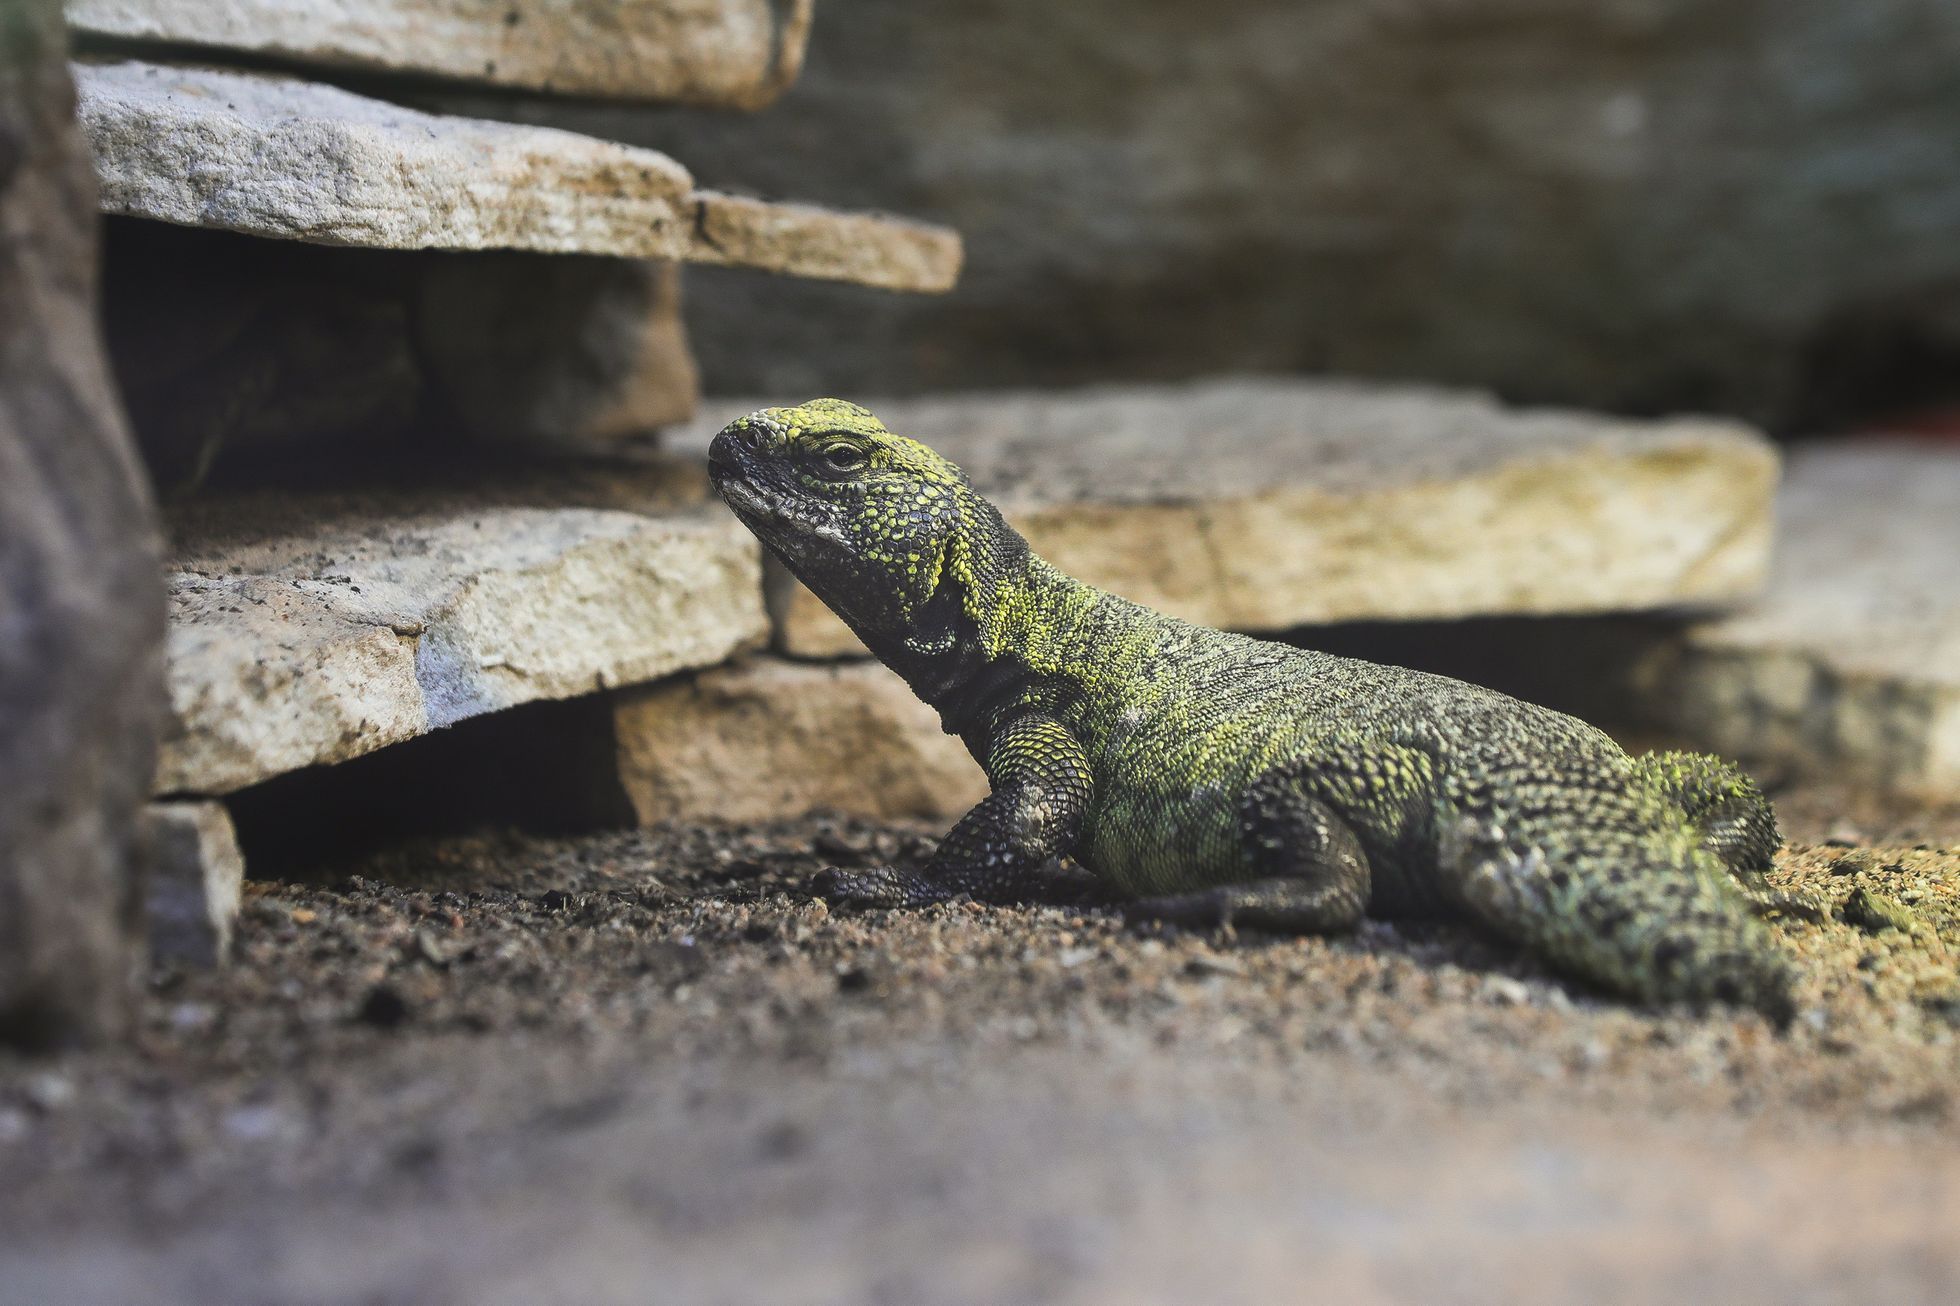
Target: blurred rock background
x=1646, y=206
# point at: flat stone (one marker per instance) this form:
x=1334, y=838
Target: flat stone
x=312, y=628
x=1849, y=663
x=1267, y=504
x=765, y=738
x=723, y=53
x=196, y=882
x=277, y=156
x=280, y=157
x=807, y=241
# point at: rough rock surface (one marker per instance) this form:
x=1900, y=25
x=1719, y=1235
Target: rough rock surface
x=806, y=241
x=1850, y=662
x=1649, y=205
x=276, y=156
x=311, y=628
x=725, y=53
x=81, y=621
x=196, y=882
x=1265, y=504
x=764, y=739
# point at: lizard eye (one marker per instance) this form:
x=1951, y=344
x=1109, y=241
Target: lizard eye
x=843, y=458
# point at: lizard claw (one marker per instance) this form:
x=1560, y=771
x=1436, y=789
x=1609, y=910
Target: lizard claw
x=1781, y=902
x=879, y=886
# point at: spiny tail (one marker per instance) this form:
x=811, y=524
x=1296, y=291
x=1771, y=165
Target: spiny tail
x=1612, y=885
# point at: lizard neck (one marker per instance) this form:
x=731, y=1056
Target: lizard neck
x=973, y=648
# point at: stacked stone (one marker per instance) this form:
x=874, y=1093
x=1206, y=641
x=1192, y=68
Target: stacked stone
x=1848, y=663
x=292, y=263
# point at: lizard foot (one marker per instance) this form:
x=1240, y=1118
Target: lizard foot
x=1780, y=902
x=878, y=886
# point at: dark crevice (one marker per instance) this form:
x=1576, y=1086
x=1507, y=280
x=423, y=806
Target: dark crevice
x=543, y=768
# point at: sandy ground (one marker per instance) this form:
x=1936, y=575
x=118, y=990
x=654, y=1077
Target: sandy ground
x=645, y=1067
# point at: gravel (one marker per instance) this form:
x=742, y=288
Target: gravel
x=644, y=1064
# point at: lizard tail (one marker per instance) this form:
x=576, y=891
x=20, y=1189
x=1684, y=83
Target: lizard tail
x=1654, y=916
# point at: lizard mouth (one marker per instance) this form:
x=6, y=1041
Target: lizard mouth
x=743, y=498
x=755, y=504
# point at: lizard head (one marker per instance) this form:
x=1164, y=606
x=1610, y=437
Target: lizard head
x=875, y=524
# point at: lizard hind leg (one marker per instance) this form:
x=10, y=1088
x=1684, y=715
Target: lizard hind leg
x=1726, y=810
x=1649, y=915
x=1307, y=873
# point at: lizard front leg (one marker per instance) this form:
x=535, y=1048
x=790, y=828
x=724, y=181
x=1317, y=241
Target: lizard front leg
x=998, y=851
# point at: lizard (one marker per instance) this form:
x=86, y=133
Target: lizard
x=1210, y=779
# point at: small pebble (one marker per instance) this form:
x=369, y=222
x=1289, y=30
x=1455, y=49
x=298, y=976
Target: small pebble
x=1843, y=834
x=255, y=1123
x=48, y=1091
x=1854, y=863
x=1507, y=991
x=189, y=1017
x=384, y=1008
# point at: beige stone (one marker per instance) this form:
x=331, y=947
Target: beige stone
x=196, y=882
x=764, y=739
x=277, y=156
x=806, y=241
x=1849, y=663
x=311, y=628
x=280, y=157
x=1267, y=504
x=732, y=53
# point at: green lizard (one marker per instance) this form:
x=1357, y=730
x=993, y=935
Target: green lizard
x=1211, y=778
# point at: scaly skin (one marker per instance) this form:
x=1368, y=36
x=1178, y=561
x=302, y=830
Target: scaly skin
x=1211, y=778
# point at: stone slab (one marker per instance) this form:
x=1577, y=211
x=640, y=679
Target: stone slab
x=1849, y=663
x=766, y=738
x=312, y=628
x=807, y=241
x=196, y=882
x=1267, y=504
x=277, y=156
x=280, y=157
x=723, y=53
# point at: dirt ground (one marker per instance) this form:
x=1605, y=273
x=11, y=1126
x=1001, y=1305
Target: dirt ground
x=645, y=1067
